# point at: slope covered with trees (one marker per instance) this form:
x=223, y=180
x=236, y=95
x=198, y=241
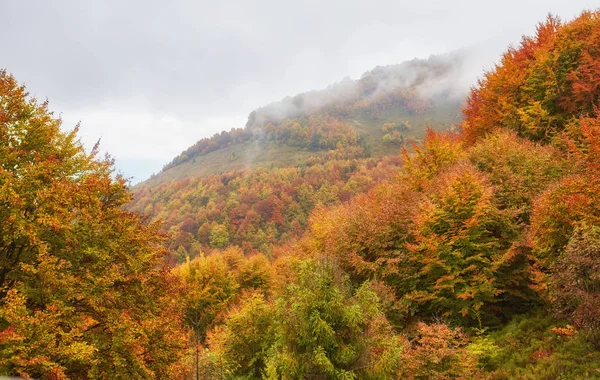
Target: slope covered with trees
x=474, y=255
x=255, y=209
x=348, y=114
x=478, y=260
x=255, y=187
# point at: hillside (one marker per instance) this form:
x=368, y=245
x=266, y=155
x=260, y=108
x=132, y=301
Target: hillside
x=420, y=92
x=255, y=209
x=256, y=186
x=473, y=255
x=478, y=260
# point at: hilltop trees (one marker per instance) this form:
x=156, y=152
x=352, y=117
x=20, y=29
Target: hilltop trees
x=543, y=86
x=317, y=132
x=83, y=289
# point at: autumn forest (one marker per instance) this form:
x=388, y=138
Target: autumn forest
x=382, y=228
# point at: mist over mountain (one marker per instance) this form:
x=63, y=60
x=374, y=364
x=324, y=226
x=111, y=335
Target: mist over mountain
x=431, y=78
x=420, y=93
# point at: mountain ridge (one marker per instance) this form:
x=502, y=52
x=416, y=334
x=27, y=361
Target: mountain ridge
x=419, y=92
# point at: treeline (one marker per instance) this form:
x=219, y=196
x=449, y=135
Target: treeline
x=255, y=209
x=317, y=132
x=315, y=120
x=370, y=100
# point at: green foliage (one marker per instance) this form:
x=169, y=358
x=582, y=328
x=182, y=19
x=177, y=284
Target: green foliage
x=326, y=330
x=219, y=237
x=393, y=138
x=485, y=350
x=245, y=340
x=460, y=238
x=210, y=293
x=316, y=326
x=531, y=347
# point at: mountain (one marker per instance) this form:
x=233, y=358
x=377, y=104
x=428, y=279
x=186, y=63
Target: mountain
x=351, y=113
x=255, y=187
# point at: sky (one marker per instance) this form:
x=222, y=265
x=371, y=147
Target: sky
x=150, y=78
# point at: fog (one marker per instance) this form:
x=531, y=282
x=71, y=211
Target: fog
x=446, y=75
x=151, y=78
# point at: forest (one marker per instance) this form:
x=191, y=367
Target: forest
x=315, y=120
x=472, y=253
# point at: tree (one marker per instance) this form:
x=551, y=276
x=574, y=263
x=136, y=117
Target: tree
x=388, y=127
x=84, y=291
x=460, y=242
x=571, y=201
x=438, y=352
x=323, y=329
x=518, y=169
x=219, y=236
x=541, y=87
x=438, y=151
x=394, y=138
x=367, y=236
x=208, y=284
x=575, y=285
x=255, y=273
x=242, y=344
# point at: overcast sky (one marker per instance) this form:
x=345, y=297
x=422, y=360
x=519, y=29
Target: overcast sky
x=150, y=78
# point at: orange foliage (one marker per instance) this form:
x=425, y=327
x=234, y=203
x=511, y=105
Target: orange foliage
x=541, y=86
x=438, y=352
x=255, y=208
